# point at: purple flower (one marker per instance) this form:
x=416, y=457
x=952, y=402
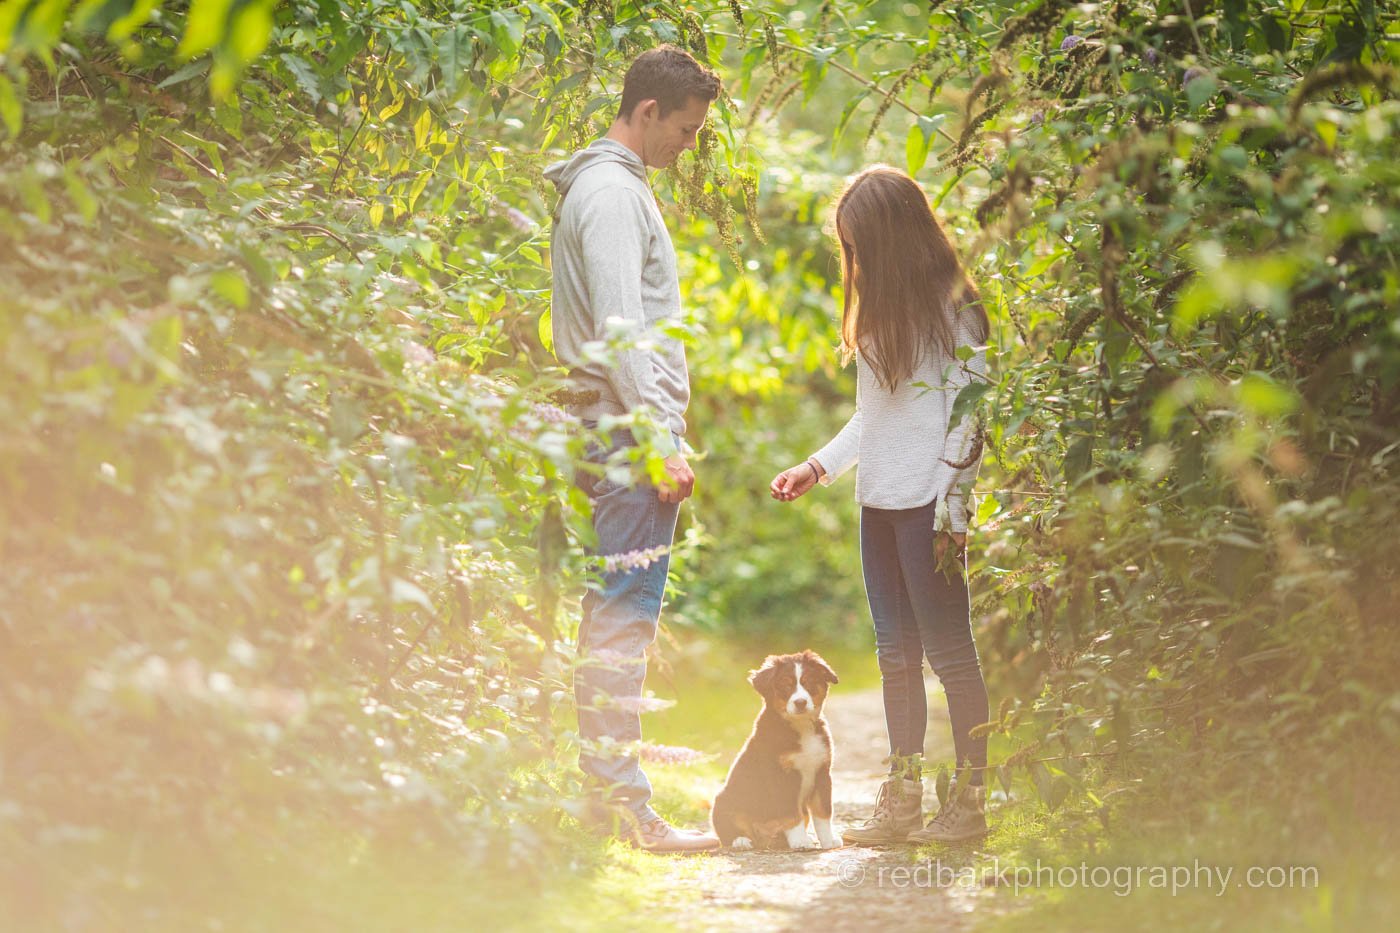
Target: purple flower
x=633, y=560
x=1150, y=56
x=118, y=355
x=1191, y=74
x=520, y=220
x=551, y=414
x=514, y=216
x=642, y=704
x=415, y=352
x=1070, y=42
x=608, y=656
x=671, y=754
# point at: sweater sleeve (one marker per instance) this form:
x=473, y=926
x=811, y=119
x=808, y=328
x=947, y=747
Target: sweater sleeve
x=956, y=482
x=843, y=450
x=613, y=239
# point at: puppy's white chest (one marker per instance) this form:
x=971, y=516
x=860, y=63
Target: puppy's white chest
x=810, y=754
x=806, y=761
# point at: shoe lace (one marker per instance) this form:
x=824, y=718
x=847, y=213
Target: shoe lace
x=947, y=811
x=884, y=806
x=655, y=829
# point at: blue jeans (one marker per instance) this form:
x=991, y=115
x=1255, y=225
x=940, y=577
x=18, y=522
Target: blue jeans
x=919, y=612
x=620, y=618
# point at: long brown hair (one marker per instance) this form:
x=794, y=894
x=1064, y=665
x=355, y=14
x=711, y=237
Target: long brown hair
x=902, y=279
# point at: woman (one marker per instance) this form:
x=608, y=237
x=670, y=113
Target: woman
x=909, y=307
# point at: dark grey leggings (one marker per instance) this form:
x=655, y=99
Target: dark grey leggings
x=919, y=612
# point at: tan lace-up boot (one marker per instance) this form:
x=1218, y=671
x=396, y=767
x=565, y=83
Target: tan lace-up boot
x=963, y=816
x=898, y=812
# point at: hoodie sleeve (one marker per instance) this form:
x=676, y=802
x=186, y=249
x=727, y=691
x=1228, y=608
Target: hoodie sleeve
x=613, y=239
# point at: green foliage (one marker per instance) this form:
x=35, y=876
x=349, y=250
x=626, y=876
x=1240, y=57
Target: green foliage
x=287, y=517
x=287, y=508
x=1187, y=231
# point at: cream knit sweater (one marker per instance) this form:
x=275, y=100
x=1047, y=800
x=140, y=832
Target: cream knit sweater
x=902, y=439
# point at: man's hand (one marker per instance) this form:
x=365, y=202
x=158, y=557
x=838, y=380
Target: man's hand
x=940, y=544
x=794, y=481
x=679, y=482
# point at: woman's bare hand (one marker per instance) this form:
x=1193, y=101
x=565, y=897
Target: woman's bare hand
x=793, y=482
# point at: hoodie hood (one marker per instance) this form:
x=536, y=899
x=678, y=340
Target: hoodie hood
x=565, y=173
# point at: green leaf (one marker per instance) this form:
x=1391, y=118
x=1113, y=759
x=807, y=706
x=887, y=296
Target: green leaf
x=1078, y=459
x=508, y=29
x=846, y=113
x=1274, y=33
x=1199, y=90
x=1327, y=132
x=986, y=508
x=11, y=110
x=968, y=397
x=192, y=70
x=251, y=31
x=546, y=330
x=942, y=784
x=230, y=286
x=391, y=108
x=422, y=128
x=136, y=17
x=81, y=195
x=1266, y=398
x=812, y=74
x=915, y=149
x=449, y=196
x=204, y=26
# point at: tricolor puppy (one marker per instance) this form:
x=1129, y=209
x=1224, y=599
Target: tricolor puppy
x=783, y=774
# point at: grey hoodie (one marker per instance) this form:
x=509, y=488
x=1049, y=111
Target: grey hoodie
x=615, y=283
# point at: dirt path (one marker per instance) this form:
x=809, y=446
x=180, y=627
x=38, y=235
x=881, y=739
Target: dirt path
x=846, y=888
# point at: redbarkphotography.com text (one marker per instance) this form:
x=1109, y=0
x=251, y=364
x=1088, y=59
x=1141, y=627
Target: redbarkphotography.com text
x=1122, y=880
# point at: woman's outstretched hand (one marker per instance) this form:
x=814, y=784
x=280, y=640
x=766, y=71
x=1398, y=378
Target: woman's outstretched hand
x=793, y=482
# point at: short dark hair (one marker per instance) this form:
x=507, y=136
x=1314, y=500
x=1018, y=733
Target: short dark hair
x=668, y=75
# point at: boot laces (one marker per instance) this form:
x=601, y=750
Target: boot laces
x=884, y=806
x=948, y=810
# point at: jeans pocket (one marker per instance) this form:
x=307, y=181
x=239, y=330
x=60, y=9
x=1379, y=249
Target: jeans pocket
x=596, y=482
x=602, y=486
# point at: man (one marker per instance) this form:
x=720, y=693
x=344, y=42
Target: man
x=615, y=276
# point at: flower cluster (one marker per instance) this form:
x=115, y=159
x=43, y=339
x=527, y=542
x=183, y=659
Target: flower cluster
x=514, y=216
x=646, y=704
x=672, y=754
x=551, y=414
x=633, y=560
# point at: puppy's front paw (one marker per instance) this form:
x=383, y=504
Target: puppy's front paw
x=798, y=839
x=741, y=843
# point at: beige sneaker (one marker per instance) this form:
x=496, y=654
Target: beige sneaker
x=661, y=837
x=963, y=816
x=899, y=810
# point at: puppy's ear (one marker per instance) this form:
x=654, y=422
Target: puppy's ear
x=811, y=657
x=762, y=679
